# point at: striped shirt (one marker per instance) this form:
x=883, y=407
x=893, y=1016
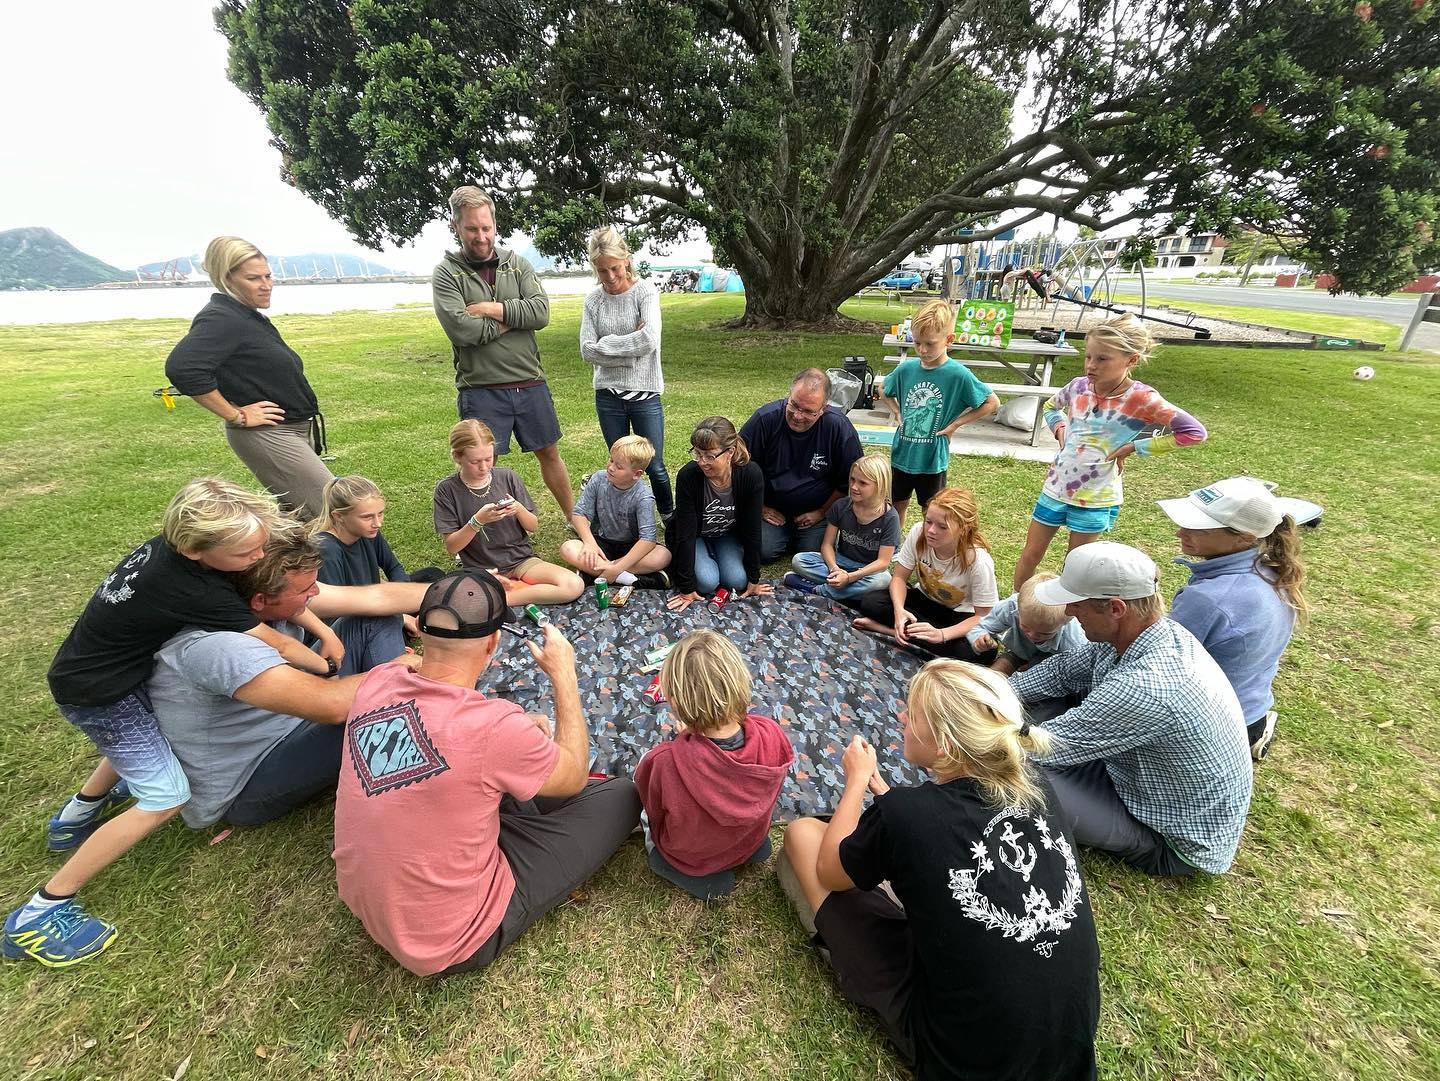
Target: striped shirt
x=1166, y=723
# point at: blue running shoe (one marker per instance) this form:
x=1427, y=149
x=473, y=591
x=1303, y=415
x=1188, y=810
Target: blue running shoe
x=800, y=583
x=61, y=937
x=63, y=836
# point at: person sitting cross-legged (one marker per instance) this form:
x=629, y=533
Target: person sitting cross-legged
x=956, y=909
x=460, y=820
x=1151, y=762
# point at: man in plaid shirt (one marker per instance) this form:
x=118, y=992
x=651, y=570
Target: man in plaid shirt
x=1153, y=765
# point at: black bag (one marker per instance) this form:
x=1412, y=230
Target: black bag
x=857, y=367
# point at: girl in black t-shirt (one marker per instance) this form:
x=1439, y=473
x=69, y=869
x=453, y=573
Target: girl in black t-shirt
x=955, y=909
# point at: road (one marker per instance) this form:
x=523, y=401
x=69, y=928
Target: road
x=1304, y=300
x=1394, y=311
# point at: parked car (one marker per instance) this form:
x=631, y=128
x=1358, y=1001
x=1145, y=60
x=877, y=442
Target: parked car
x=901, y=278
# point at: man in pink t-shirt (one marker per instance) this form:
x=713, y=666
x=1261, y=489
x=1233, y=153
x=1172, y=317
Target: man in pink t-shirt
x=459, y=819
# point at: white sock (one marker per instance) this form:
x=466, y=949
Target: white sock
x=80, y=808
x=625, y=578
x=36, y=907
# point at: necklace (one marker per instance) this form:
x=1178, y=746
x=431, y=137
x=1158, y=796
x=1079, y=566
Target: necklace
x=477, y=492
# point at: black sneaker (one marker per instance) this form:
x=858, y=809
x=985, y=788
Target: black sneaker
x=1260, y=745
x=652, y=580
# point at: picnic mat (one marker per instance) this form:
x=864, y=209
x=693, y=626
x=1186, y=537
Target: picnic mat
x=819, y=678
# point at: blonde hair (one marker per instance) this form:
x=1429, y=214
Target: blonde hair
x=1046, y=616
x=715, y=434
x=979, y=730
x=876, y=469
x=935, y=315
x=1148, y=609
x=341, y=495
x=223, y=255
x=963, y=514
x=467, y=197
x=607, y=243
x=470, y=433
x=290, y=548
x=1127, y=334
x=213, y=513
x=1280, y=553
x=635, y=450
x=706, y=682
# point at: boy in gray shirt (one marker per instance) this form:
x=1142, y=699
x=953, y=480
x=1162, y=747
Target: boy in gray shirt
x=1029, y=631
x=615, y=521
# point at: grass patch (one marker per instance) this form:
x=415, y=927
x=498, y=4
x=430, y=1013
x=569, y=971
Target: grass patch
x=240, y=958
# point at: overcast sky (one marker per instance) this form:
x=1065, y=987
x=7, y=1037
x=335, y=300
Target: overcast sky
x=122, y=133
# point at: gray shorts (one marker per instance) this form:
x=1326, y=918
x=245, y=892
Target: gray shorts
x=127, y=733
x=528, y=411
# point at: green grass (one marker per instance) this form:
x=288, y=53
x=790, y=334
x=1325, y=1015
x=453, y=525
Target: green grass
x=239, y=958
x=1340, y=326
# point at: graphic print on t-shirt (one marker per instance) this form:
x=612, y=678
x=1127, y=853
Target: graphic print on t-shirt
x=126, y=573
x=920, y=416
x=936, y=588
x=390, y=748
x=1010, y=838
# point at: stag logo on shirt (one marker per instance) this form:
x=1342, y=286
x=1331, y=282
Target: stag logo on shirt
x=390, y=748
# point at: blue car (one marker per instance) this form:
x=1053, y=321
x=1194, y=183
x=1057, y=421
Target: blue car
x=901, y=278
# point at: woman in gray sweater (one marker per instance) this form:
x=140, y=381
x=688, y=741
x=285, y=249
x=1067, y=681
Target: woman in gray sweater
x=620, y=336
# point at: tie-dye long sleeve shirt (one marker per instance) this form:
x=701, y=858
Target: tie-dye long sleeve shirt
x=1095, y=427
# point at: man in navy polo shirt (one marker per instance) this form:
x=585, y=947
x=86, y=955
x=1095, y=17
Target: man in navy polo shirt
x=805, y=449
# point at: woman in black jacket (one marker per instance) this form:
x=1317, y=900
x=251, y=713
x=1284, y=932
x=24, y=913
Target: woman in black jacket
x=235, y=364
x=715, y=534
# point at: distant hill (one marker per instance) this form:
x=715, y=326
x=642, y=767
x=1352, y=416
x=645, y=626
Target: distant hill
x=321, y=264
x=38, y=258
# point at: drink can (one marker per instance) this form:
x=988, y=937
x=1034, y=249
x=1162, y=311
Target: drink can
x=537, y=616
x=602, y=593
x=721, y=598
x=653, y=694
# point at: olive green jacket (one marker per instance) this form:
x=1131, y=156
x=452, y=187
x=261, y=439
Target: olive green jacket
x=484, y=356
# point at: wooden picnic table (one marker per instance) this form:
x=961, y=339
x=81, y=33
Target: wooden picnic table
x=1033, y=361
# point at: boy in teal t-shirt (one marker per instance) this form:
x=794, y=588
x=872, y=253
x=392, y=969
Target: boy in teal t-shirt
x=931, y=396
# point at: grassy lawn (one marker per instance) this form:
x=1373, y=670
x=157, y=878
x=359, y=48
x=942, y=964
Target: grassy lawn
x=1341, y=326
x=1318, y=956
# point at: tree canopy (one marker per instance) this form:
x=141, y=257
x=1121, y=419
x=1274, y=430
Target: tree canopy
x=819, y=142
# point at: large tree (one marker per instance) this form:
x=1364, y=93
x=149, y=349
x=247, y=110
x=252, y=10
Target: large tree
x=817, y=143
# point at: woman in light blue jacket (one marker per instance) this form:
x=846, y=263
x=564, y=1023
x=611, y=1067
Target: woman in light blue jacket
x=1246, y=588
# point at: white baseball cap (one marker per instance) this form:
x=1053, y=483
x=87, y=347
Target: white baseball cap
x=1240, y=503
x=1098, y=570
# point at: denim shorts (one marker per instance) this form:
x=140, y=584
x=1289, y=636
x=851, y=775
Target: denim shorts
x=527, y=411
x=1054, y=513
x=127, y=733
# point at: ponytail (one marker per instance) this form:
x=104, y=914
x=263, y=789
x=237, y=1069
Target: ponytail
x=340, y=495
x=1280, y=554
x=980, y=731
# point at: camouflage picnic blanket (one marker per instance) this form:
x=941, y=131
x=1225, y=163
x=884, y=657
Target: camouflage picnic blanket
x=819, y=678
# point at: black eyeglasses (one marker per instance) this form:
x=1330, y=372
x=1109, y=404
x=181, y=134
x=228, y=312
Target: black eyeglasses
x=701, y=456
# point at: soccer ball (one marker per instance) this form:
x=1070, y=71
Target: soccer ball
x=1365, y=372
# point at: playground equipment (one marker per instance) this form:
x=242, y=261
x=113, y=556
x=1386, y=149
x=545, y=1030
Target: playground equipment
x=1044, y=272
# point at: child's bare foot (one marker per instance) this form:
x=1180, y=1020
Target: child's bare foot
x=865, y=623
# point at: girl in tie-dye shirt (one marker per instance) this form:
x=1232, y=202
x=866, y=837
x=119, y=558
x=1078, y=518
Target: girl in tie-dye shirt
x=1100, y=419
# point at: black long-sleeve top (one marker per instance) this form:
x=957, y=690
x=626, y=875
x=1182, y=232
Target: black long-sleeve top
x=748, y=483
x=234, y=349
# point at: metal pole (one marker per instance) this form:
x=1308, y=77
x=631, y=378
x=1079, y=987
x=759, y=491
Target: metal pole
x=1427, y=311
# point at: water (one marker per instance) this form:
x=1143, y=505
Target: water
x=100, y=305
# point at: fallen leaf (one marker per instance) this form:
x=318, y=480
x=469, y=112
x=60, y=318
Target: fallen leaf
x=1351, y=787
x=1215, y=914
x=182, y=1069
x=228, y=977
x=578, y=897
x=1385, y=724
x=36, y=1060
x=354, y=1034
x=89, y=1044
x=220, y=837
x=262, y=1052
x=143, y=1026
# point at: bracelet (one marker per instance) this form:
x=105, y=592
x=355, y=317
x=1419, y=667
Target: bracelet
x=473, y=524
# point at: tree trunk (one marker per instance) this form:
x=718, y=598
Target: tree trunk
x=782, y=300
